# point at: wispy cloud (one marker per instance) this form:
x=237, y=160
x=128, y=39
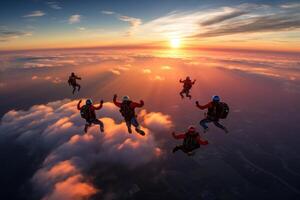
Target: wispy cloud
x=107, y=12
x=226, y=14
x=290, y=5
x=81, y=28
x=244, y=18
x=134, y=23
x=74, y=19
x=54, y=5
x=7, y=35
x=37, y=13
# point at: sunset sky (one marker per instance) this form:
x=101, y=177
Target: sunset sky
x=246, y=52
x=257, y=24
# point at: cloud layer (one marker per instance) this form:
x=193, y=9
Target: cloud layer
x=56, y=128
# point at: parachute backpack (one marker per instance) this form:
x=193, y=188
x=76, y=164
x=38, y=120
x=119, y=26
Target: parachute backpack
x=126, y=111
x=190, y=142
x=222, y=110
x=85, y=112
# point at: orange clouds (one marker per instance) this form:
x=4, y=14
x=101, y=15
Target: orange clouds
x=57, y=127
x=73, y=188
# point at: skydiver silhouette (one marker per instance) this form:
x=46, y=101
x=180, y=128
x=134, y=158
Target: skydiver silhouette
x=72, y=82
x=127, y=110
x=87, y=112
x=191, y=141
x=187, y=86
x=214, y=108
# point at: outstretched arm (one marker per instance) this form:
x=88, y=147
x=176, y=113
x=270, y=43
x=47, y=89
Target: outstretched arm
x=181, y=81
x=116, y=102
x=204, y=106
x=78, y=105
x=194, y=82
x=77, y=77
x=100, y=106
x=137, y=105
x=179, y=136
x=202, y=142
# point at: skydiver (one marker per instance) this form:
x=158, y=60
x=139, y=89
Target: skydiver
x=72, y=82
x=191, y=141
x=187, y=85
x=127, y=110
x=216, y=110
x=88, y=113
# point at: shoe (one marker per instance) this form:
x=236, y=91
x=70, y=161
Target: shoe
x=175, y=149
x=140, y=131
x=129, y=130
x=226, y=131
x=86, y=128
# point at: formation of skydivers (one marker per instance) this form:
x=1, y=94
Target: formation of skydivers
x=191, y=138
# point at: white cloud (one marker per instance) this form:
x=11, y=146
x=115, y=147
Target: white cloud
x=134, y=23
x=165, y=67
x=81, y=28
x=57, y=127
x=107, y=12
x=36, y=13
x=74, y=19
x=54, y=5
x=147, y=71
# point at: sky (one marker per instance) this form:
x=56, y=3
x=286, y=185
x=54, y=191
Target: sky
x=247, y=52
x=259, y=24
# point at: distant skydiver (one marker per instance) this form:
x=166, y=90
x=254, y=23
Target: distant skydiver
x=88, y=113
x=187, y=85
x=191, y=141
x=216, y=110
x=127, y=110
x=72, y=82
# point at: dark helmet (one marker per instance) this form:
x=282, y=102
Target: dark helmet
x=188, y=78
x=89, y=102
x=216, y=98
x=126, y=98
x=72, y=74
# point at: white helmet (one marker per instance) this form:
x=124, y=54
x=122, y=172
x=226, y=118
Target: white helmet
x=126, y=98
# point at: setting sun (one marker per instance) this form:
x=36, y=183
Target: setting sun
x=175, y=43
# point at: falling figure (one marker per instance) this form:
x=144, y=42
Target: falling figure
x=187, y=86
x=191, y=141
x=127, y=110
x=88, y=113
x=72, y=82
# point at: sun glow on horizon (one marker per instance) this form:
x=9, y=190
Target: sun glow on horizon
x=175, y=43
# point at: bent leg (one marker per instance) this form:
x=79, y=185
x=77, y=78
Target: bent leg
x=204, y=122
x=100, y=123
x=77, y=85
x=188, y=94
x=86, y=126
x=74, y=88
x=128, y=124
x=217, y=124
x=138, y=129
x=181, y=93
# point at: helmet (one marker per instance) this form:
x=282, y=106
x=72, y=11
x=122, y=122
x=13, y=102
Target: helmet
x=216, y=98
x=126, y=98
x=191, y=128
x=72, y=74
x=188, y=78
x=89, y=102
